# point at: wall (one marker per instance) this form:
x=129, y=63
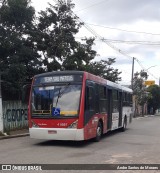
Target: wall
x=14, y=115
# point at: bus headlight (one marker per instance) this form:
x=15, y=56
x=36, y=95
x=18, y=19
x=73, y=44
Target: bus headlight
x=74, y=125
x=34, y=124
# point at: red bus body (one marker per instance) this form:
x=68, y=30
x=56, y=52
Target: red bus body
x=84, y=126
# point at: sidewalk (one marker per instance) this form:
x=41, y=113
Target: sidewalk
x=15, y=134
x=146, y=116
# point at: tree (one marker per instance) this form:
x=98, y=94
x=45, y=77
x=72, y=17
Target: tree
x=55, y=34
x=104, y=69
x=55, y=37
x=19, y=59
x=81, y=56
x=154, y=98
x=139, y=90
x=30, y=45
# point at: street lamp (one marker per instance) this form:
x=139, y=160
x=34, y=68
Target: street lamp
x=150, y=73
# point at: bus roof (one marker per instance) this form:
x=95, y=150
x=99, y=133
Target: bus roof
x=108, y=83
x=115, y=85
x=88, y=76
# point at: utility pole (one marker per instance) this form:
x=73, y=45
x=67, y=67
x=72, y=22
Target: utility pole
x=132, y=72
x=1, y=112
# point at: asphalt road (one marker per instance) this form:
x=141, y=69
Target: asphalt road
x=140, y=144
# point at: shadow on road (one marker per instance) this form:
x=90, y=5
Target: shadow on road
x=112, y=133
x=77, y=144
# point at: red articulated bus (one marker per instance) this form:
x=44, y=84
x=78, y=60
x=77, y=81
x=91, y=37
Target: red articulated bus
x=77, y=105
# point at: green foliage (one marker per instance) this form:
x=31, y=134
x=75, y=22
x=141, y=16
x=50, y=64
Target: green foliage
x=30, y=45
x=55, y=35
x=139, y=89
x=154, y=98
x=17, y=13
x=138, y=83
x=55, y=38
x=18, y=54
x=104, y=69
x=81, y=56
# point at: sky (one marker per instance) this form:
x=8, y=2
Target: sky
x=130, y=26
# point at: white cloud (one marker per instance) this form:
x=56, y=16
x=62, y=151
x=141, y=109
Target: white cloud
x=40, y=5
x=133, y=15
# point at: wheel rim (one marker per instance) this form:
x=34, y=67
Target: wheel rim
x=99, y=131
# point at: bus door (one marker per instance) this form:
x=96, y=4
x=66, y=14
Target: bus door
x=90, y=102
x=109, y=106
x=115, y=109
x=120, y=109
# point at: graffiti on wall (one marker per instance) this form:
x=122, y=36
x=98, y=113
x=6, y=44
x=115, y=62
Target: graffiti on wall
x=14, y=115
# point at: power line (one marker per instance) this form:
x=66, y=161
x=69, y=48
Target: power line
x=103, y=40
x=145, y=68
x=92, y=5
x=128, y=42
x=137, y=32
x=108, y=43
x=133, y=41
x=113, y=47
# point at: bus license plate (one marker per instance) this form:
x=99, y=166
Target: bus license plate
x=52, y=132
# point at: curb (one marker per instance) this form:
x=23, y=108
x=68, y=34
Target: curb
x=146, y=116
x=14, y=136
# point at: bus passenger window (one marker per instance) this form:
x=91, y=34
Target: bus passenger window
x=96, y=98
x=102, y=99
x=115, y=101
x=90, y=99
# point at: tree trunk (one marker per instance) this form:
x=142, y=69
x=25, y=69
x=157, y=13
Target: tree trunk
x=142, y=107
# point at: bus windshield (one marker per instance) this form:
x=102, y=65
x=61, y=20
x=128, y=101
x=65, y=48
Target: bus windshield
x=55, y=101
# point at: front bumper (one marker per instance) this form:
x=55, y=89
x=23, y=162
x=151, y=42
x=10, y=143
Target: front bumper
x=60, y=134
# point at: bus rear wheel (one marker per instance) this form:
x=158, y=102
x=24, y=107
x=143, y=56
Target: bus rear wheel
x=98, y=132
x=124, y=124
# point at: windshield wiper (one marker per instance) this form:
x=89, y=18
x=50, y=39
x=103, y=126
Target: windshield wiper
x=61, y=93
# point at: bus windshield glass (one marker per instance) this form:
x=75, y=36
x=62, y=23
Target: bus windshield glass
x=55, y=101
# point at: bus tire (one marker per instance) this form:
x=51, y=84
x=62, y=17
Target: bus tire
x=124, y=124
x=98, y=132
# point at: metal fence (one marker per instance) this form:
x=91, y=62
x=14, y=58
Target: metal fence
x=14, y=115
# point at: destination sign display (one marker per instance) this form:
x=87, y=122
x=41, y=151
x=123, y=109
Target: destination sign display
x=58, y=79
x=51, y=79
